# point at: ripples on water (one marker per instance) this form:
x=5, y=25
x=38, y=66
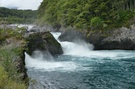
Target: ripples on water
x=71, y=72
x=84, y=69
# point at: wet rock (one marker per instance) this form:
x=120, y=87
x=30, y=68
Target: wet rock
x=72, y=35
x=43, y=41
x=120, y=39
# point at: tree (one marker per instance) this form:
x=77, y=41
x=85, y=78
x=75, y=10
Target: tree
x=83, y=14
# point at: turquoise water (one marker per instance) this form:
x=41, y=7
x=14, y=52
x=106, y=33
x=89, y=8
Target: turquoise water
x=82, y=68
x=72, y=72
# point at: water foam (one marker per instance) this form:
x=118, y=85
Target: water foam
x=83, y=49
x=86, y=72
x=79, y=48
x=40, y=63
x=77, y=52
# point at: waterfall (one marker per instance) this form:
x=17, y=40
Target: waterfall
x=80, y=48
x=79, y=65
x=39, y=60
x=73, y=52
x=83, y=49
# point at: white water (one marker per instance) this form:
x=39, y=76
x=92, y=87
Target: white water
x=29, y=27
x=39, y=63
x=81, y=49
x=81, y=68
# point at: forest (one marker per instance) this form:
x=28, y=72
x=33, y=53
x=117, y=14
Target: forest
x=17, y=16
x=87, y=14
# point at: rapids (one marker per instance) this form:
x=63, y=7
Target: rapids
x=82, y=68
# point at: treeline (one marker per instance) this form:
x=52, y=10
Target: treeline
x=87, y=14
x=17, y=16
x=128, y=4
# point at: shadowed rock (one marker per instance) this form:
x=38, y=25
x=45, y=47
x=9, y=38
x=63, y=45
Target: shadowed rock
x=71, y=35
x=121, y=39
x=43, y=41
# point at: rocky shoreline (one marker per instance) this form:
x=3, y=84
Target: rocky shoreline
x=117, y=39
x=20, y=40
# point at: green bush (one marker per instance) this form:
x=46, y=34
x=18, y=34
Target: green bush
x=9, y=33
x=96, y=22
x=7, y=83
x=10, y=76
x=2, y=37
x=7, y=57
x=123, y=17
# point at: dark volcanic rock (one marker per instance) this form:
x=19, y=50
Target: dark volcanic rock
x=121, y=39
x=43, y=41
x=72, y=35
x=96, y=39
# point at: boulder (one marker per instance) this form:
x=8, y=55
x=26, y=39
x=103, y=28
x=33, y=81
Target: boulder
x=72, y=35
x=43, y=41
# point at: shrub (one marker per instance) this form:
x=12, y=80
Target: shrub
x=96, y=22
x=9, y=76
x=7, y=57
x=7, y=83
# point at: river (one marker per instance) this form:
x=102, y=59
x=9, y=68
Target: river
x=82, y=68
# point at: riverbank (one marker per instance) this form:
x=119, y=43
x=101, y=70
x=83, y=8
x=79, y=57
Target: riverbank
x=108, y=39
x=15, y=40
x=12, y=67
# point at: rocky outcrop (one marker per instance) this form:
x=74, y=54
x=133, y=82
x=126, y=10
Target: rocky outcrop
x=121, y=39
x=95, y=38
x=116, y=39
x=72, y=35
x=43, y=41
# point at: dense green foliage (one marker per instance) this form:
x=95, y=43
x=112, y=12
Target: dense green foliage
x=8, y=33
x=17, y=16
x=87, y=14
x=7, y=83
x=9, y=77
x=11, y=51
